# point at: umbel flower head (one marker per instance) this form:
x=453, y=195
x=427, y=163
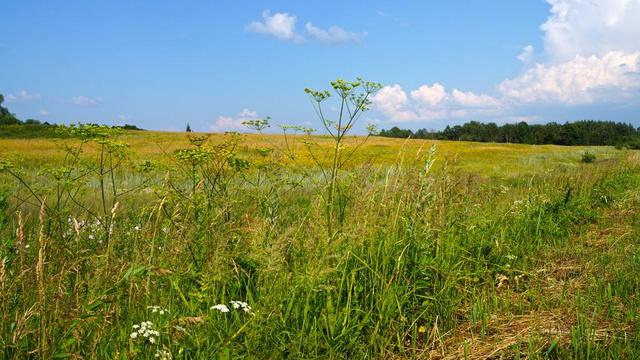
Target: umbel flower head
x=235, y=304
x=220, y=307
x=145, y=332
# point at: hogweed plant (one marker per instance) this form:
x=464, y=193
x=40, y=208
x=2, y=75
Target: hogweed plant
x=354, y=98
x=210, y=170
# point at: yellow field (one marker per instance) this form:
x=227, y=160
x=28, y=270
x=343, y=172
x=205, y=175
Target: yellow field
x=488, y=159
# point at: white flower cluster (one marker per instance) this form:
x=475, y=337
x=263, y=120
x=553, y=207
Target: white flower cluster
x=157, y=309
x=145, y=331
x=236, y=305
x=241, y=305
x=220, y=307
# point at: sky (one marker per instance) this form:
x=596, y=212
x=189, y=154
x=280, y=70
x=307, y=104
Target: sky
x=160, y=64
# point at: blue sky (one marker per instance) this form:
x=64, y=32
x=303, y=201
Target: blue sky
x=161, y=64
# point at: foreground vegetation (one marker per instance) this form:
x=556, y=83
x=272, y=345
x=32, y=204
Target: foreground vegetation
x=289, y=247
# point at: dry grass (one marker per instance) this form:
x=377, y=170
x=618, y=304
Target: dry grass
x=563, y=277
x=506, y=334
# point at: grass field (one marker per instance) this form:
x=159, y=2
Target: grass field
x=254, y=246
x=489, y=159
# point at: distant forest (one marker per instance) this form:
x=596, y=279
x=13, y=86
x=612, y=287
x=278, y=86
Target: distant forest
x=586, y=132
x=12, y=127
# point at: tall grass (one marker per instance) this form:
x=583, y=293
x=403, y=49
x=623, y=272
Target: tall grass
x=90, y=251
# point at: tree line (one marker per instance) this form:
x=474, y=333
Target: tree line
x=12, y=127
x=585, y=132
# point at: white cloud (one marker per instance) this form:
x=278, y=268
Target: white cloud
x=22, y=96
x=433, y=103
x=233, y=123
x=526, y=55
x=43, y=113
x=280, y=25
x=332, y=35
x=392, y=101
x=585, y=28
x=430, y=95
x=611, y=77
x=471, y=100
x=86, y=101
x=592, y=55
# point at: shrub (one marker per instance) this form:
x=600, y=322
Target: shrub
x=588, y=157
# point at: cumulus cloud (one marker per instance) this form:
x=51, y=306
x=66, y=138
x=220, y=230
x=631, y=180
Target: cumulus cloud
x=22, y=96
x=233, y=123
x=43, y=113
x=471, y=100
x=82, y=100
x=332, y=35
x=393, y=101
x=433, y=103
x=585, y=28
x=582, y=80
x=279, y=25
x=592, y=55
x=430, y=95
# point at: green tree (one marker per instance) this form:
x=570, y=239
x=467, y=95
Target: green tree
x=6, y=117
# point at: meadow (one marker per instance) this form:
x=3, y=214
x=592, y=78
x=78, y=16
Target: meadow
x=149, y=245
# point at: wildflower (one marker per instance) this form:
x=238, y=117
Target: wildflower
x=91, y=237
x=137, y=228
x=243, y=305
x=221, y=307
x=146, y=331
x=157, y=309
x=237, y=304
